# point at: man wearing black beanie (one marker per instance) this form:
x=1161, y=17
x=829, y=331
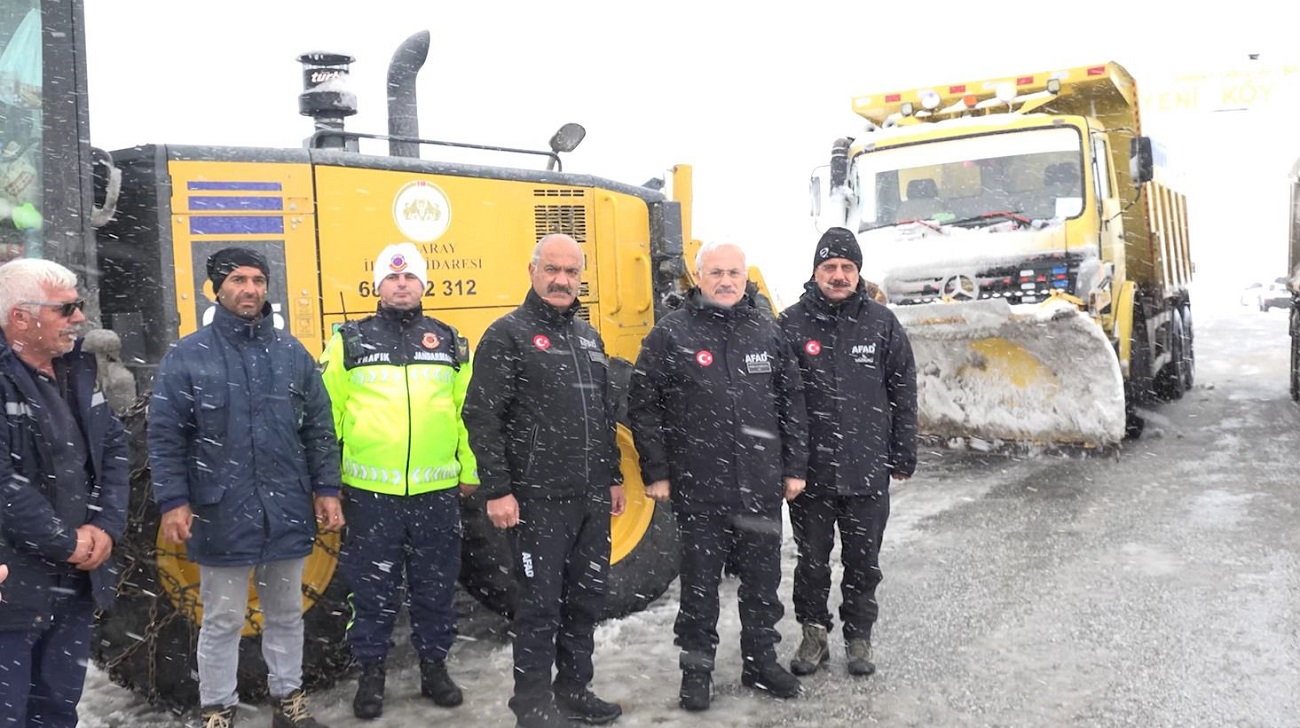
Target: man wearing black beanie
x=225, y=261
x=236, y=392
x=860, y=388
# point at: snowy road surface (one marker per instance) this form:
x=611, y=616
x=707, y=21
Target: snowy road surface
x=1154, y=588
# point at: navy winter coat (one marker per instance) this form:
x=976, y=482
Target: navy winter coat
x=240, y=428
x=860, y=382
x=36, y=543
x=717, y=408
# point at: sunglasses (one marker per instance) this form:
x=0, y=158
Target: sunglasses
x=65, y=308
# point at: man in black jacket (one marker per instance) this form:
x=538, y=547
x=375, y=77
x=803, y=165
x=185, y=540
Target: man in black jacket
x=718, y=417
x=63, y=495
x=541, y=424
x=860, y=380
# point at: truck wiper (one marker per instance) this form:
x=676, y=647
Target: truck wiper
x=934, y=225
x=1016, y=217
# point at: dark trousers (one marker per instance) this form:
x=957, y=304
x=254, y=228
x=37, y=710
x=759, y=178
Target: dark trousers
x=43, y=670
x=391, y=539
x=861, y=521
x=562, y=550
x=708, y=539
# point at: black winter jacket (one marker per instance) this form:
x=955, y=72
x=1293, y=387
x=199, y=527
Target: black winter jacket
x=539, y=410
x=717, y=408
x=860, y=381
x=36, y=542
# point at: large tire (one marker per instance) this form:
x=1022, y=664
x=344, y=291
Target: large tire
x=147, y=641
x=1171, y=380
x=1189, y=348
x=640, y=576
x=1295, y=352
x=1137, y=389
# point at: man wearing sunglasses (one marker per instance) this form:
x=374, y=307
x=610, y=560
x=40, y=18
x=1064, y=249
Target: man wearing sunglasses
x=63, y=495
x=245, y=469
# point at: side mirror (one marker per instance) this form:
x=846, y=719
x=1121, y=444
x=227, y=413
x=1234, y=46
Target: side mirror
x=1141, y=160
x=568, y=137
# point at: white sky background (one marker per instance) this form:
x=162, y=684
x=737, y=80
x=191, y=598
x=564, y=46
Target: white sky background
x=751, y=96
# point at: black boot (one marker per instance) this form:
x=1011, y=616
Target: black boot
x=581, y=704
x=771, y=678
x=541, y=715
x=697, y=690
x=436, y=683
x=369, y=701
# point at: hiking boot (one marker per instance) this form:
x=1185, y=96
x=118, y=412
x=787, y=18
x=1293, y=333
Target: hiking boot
x=369, y=701
x=697, y=690
x=860, y=658
x=545, y=715
x=583, y=705
x=436, y=683
x=292, y=712
x=771, y=678
x=813, y=651
x=215, y=716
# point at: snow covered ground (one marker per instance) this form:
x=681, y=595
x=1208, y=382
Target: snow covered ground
x=1019, y=591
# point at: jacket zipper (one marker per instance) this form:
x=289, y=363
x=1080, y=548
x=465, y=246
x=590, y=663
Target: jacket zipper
x=586, y=424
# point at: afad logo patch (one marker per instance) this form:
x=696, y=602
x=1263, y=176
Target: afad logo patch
x=430, y=340
x=541, y=342
x=813, y=347
x=704, y=357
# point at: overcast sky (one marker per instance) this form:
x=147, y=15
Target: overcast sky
x=750, y=94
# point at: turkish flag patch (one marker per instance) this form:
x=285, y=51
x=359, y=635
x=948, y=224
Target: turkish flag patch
x=813, y=347
x=541, y=342
x=704, y=357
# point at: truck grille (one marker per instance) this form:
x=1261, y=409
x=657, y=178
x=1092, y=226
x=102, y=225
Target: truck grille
x=1030, y=281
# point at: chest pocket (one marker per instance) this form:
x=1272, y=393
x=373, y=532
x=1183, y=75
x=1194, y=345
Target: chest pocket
x=211, y=412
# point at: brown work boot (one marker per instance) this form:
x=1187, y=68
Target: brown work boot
x=860, y=658
x=216, y=716
x=291, y=712
x=813, y=651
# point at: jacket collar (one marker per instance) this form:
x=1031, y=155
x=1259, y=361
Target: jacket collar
x=239, y=329
x=400, y=316
x=696, y=304
x=822, y=307
x=548, y=313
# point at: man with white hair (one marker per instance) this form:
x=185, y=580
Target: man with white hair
x=717, y=412
x=397, y=383
x=63, y=495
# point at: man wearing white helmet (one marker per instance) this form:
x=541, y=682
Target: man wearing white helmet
x=397, y=382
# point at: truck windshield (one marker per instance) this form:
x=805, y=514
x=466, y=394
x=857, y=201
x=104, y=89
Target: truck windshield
x=1031, y=173
x=21, y=186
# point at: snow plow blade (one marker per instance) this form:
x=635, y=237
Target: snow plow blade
x=1047, y=377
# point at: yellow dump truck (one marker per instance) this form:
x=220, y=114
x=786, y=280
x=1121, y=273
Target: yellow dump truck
x=1034, y=244
x=138, y=224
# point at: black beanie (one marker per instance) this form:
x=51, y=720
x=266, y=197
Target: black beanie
x=223, y=262
x=838, y=243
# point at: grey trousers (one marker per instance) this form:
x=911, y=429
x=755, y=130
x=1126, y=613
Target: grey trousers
x=224, y=590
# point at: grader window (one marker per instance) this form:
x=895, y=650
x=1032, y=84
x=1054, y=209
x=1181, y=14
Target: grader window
x=21, y=148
